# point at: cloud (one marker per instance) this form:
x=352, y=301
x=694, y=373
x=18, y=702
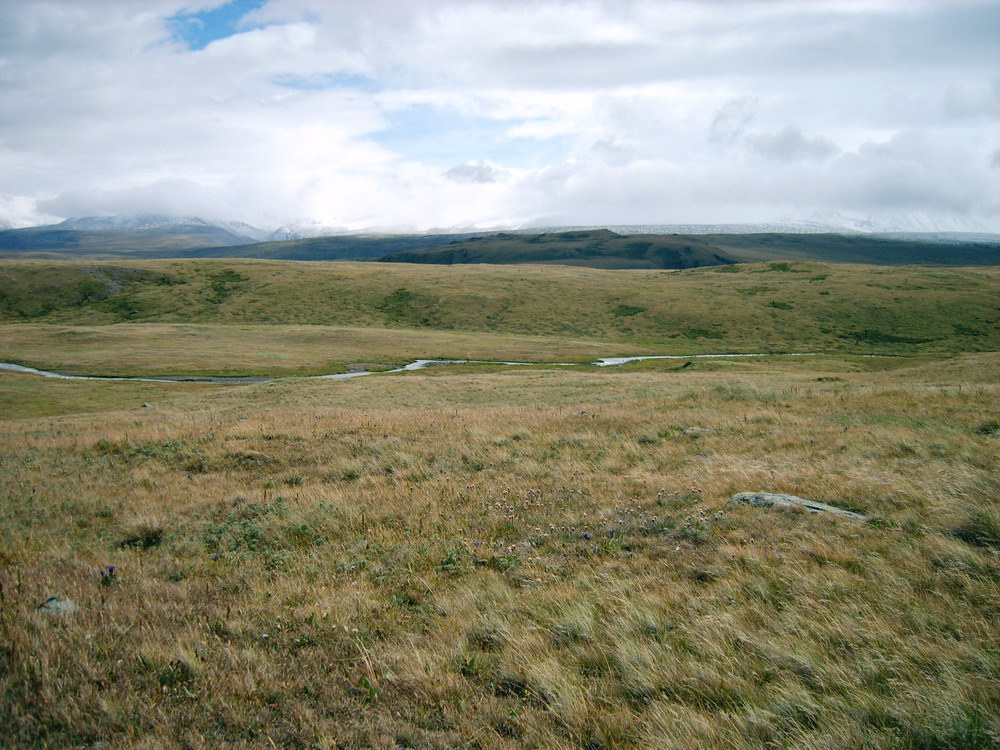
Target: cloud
x=177, y=197
x=732, y=120
x=791, y=145
x=17, y=211
x=449, y=112
x=473, y=172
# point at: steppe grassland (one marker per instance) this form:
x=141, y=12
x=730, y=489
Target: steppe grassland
x=510, y=558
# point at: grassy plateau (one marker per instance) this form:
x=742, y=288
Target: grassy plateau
x=484, y=556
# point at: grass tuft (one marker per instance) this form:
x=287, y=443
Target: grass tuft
x=981, y=528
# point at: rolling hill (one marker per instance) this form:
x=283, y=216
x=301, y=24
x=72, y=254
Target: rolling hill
x=337, y=247
x=598, y=248
x=778, y=306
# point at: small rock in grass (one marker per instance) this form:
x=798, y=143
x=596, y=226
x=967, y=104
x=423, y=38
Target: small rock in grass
x=770, y=500
x=58, y=605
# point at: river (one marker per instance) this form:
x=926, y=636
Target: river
x=417, y=364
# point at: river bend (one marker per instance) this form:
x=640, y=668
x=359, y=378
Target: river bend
x=417, y=364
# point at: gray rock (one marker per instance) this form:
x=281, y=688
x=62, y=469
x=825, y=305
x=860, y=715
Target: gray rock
x=697, y=432
x=770, y=500
x=58, y=605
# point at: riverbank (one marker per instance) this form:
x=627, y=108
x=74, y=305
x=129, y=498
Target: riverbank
x=357, y=371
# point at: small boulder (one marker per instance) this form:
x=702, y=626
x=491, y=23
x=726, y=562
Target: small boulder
x=58, y=605
x=770, y=500
x=697, y=432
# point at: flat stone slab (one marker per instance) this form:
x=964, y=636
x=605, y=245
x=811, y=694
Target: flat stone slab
x=770, y=500
x=58, y=605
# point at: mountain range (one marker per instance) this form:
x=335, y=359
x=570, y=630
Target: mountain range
x=628, y=246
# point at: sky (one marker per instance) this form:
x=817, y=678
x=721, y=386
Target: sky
x=412, y=115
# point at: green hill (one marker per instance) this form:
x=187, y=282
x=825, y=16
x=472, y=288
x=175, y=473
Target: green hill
x=339, y=247
x=605, y=249
x=854, y=248
x=598, y=248
x=595, y=248
x=780, y=306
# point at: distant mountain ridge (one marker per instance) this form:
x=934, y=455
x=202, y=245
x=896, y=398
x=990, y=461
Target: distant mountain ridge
x=598, y=248
x=118, y=236
x=623, y=246
x=136, y=223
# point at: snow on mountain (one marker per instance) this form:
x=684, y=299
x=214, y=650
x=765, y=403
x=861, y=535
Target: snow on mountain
x=303, y=230
x=145, y=223
x=894, y=222
x=794, y=228
x=138, y=223
x=935, y=229
x=242, y=229
x=283, y=233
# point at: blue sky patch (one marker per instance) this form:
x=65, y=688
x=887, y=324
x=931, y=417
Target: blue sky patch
x=329, y=81
x=443, y=137
x=198, y=30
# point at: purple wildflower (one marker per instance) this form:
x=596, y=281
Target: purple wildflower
x=108, y=575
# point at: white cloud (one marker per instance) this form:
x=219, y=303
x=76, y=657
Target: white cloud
x=730, y=123
x=791, y=145
x=451, y=112
x=474, y=172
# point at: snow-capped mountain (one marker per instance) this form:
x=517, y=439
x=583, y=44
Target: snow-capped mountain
x=789, y=227
x=223, y=232
x=891, y=223
x=242, y=229
x=137, y=223
x=300, y=231
x=161, y=223
x=284, y=233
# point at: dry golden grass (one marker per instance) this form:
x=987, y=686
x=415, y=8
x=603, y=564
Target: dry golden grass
x=510, y=558
x=271, y=350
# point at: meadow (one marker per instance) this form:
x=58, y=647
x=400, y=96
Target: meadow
x=501, y=557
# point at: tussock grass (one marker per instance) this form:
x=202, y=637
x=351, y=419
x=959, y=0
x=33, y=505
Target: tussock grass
x=521, y=558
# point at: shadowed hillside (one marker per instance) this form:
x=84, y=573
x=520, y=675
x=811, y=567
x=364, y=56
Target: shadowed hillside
x=605, y=249
x=339, y=247
x=599, y=248
x=854, y=248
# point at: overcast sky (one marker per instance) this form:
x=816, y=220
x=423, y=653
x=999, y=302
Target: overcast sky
x=418, y=114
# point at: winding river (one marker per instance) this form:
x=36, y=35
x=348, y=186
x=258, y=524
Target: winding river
x=417, y=364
